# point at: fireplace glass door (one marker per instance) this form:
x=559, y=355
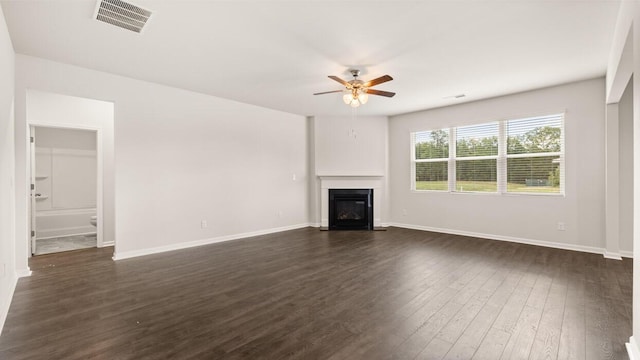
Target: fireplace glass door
x=350, y=209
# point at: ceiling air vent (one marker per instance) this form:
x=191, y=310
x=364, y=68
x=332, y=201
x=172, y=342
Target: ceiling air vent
x=122, y=14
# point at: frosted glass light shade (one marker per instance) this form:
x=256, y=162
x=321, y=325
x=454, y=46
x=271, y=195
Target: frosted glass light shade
x=347, y=98
x=363, y=98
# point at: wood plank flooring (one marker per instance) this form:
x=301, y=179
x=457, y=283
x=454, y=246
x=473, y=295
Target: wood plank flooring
x=310, y=294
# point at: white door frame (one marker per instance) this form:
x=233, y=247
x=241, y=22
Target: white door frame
x=100, y=172
x=32, y=189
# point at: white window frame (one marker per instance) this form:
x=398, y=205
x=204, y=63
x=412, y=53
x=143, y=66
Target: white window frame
x=453, y=185
x=416, y=161
x=561, y=155
x=501, y=160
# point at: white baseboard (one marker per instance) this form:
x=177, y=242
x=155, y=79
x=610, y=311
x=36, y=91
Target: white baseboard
x=185, y=245
x=611, y=255
x=5, y=302
x=582, y=248
x=626, y=254
x=315, y=225
x=107, y=243
x=23, y=273
x=632, y=349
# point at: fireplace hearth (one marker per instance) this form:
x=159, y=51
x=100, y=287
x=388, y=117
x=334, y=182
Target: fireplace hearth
x=350, y=209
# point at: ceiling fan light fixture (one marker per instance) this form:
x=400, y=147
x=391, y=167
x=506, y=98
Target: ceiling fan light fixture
x=356, y=92
x=347, y=97
x=363, y=97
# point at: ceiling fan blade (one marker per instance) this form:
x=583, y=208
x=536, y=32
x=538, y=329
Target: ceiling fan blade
x=328, y=92
x=380, y=80
x=339, y=80
x=380, y=92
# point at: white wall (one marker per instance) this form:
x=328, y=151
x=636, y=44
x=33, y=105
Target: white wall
x=525, y=218
x=626, y=169
x=7, y=179
x=182, y=157
x=313, y=183
x=349, y=146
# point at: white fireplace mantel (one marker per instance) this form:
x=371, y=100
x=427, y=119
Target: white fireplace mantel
x=352, y=181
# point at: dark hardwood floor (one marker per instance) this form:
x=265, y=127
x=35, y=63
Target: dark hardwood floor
x=310, y=294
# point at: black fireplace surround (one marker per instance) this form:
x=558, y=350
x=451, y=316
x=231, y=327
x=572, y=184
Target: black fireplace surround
x=350, y=209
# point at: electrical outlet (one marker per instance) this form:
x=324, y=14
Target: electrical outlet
x=294, y=177
x=203, y=224
x=280, y=213
x=404, y=212
x=561, y=226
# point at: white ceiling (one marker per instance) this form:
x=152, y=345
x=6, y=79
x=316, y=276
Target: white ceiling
x=276, y=54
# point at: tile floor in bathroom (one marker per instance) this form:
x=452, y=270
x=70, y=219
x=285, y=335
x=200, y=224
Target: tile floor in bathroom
x=66, y=243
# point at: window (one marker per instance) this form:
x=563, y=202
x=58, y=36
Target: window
x=477, y=157
x=535, y=155
x=432, y=160
x=511, y=156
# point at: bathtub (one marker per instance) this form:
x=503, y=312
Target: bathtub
x=57, y=223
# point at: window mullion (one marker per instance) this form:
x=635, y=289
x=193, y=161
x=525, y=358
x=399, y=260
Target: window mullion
x=414, y=164
x=502, y=157
x=452, y=159
x=534, y=154
x=562, y=156
x=488, y=157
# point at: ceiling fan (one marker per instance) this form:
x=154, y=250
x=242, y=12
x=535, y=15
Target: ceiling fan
x=356, y=91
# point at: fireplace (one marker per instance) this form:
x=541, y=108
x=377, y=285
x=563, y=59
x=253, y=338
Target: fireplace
x=350, y=209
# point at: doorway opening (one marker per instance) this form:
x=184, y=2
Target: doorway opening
x=64, y=189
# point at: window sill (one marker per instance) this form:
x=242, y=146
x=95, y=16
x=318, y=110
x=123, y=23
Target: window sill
x=486, y=193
